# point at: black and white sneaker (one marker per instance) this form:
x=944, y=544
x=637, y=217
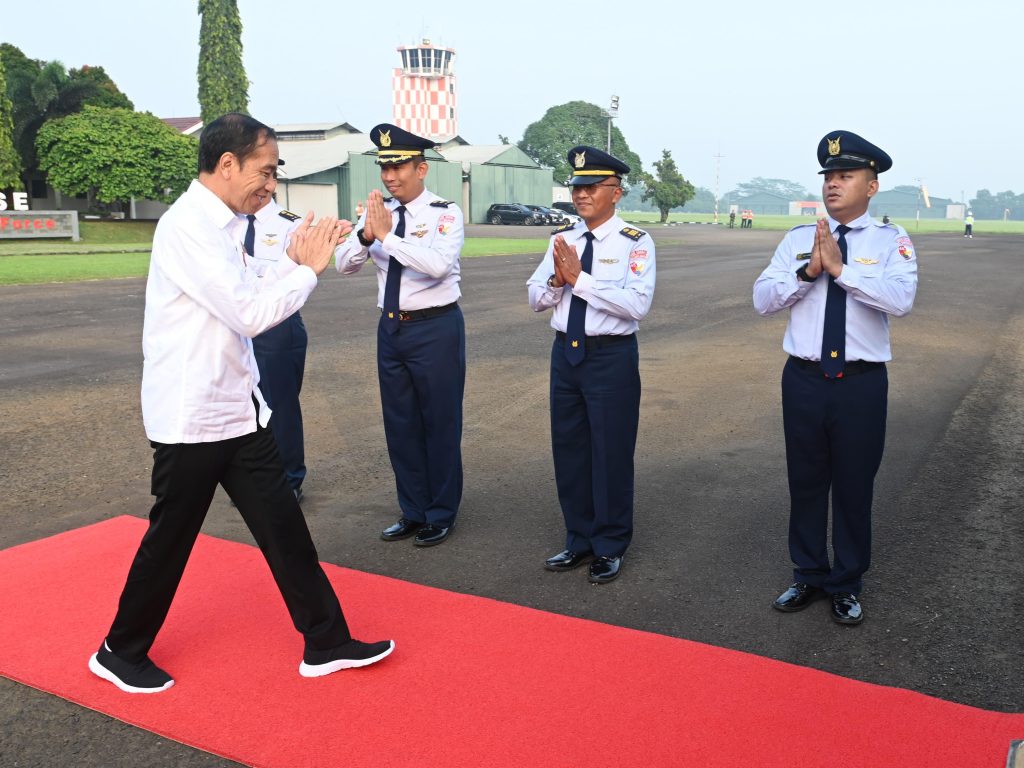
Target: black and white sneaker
x=346, y=656
x=144, y=677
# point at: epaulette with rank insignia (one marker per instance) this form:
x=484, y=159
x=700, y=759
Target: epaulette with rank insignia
x=441, y=203
x=631, y=233
x=563, y=228
x=288, y=215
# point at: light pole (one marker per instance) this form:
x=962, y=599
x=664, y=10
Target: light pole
x=718, y=163
x=613, y=112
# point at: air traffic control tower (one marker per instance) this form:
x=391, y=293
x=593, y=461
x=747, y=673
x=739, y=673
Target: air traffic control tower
x=423, y=92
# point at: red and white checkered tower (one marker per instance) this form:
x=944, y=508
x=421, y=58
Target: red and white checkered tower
x=424, y=91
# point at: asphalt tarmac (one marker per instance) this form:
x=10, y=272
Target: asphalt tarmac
x=944, y=616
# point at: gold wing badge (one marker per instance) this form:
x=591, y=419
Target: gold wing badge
x=385, y=138
x=833, y=146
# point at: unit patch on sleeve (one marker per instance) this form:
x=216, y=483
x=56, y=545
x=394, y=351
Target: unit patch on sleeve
x=905, y=247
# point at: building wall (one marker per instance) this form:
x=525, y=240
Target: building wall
x=506, y=184
x=302, y=197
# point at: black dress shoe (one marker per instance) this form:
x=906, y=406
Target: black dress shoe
x=605, y=569
x=431, y=535
x=797, y=597
x=567, y=560
x=403, y=529
x=846, y=609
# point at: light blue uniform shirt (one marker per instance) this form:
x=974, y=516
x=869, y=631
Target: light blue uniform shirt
x=619, y=288
x=880, y=279
x=429, y=253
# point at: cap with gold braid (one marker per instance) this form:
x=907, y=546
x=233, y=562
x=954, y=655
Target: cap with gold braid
x=590, y=166
x=397, y=146
x=844, y=150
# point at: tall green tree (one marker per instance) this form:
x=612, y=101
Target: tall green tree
x=668, y=189
x=10, y=162
x=223, y=86
x=41, y=91
x=112, y=155
x=567, y=125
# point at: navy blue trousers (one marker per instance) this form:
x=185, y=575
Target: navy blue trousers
x=835, y=434
x=281, y=357
x=595, y=412
x=422, y=374
x=185, y=477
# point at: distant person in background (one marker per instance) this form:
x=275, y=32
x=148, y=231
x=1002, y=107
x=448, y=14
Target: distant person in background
x=743, y=219
x=360, y=210
x=732, y=219
x=969, y=225
x=750, y=219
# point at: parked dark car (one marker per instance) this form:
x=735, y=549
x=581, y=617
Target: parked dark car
x=514, y=213
x=551, y=216
x=567, y=207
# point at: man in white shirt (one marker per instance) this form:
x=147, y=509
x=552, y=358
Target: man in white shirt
x=205, y=416
x=841, y=280
x=414, y=239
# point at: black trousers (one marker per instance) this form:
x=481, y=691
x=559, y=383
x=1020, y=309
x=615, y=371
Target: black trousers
x=595, y=414
x=281, y=356
x=835, y=435
x=422, y=375
x=185, y=477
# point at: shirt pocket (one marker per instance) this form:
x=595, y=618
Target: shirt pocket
x=609, y=270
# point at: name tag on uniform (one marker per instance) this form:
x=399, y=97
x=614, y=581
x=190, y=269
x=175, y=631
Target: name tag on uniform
x=860, y=260
x=803, y=256
x=609, y=261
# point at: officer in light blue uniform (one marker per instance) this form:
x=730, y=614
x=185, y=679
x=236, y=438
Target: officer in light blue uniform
x=414, y=239
x=280, y=352
x=841, y=279
x=597, y=278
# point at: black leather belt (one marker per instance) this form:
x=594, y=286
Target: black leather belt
x=596, y=342
x=851, y=368
x=408, y=315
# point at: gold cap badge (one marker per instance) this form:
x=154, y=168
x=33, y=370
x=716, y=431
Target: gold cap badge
x=833, y=146
x=385, y=138
x=581, y=159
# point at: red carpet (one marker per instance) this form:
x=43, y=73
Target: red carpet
x=472, y=682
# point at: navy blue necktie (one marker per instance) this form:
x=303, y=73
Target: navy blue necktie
x=576, y=327
x=833, y=338
x=393, y=284
x=250, y=236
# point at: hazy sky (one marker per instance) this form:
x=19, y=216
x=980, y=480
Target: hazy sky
x=936, y=84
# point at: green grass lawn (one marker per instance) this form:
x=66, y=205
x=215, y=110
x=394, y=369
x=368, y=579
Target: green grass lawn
x=650, y=219
x=40, y=261
x=116, y=249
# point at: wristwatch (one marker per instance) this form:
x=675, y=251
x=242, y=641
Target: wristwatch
x=552, y=283
x=802, y=276
x=361, y=239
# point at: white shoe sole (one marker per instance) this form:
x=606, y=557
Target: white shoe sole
x=319, y=670
x=100, y=671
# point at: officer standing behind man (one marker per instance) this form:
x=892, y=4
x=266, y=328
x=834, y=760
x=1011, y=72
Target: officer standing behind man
x=205, y=415
x=598, y=278
x=281, y=351
x=841, y=279
x=414, y=238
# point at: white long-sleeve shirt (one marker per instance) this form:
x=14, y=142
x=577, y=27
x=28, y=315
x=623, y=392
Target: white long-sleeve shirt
x=880, y=279
x=203, y=306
